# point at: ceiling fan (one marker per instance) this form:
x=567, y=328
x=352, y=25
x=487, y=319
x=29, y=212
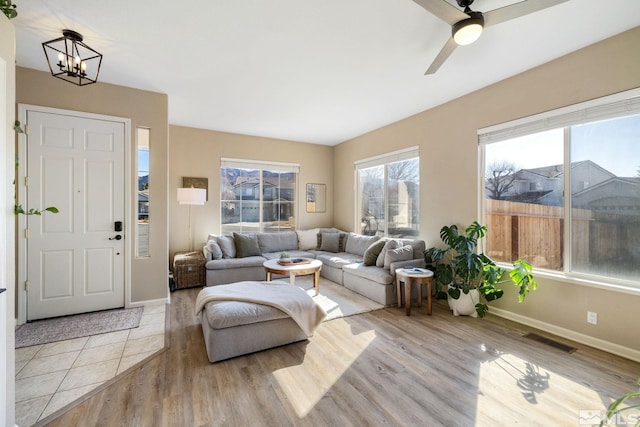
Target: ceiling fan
x=467, y=25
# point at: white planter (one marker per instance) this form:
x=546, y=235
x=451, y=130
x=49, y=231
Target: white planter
x=466, y=304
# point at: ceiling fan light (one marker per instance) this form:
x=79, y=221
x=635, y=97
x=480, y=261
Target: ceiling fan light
x=468, y=30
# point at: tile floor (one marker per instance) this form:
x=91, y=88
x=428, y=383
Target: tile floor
x=50, y=376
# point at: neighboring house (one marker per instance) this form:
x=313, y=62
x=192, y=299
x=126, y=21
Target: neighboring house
x=620, y=196
x=544, y=186
x=277, y=200
x=143, y=205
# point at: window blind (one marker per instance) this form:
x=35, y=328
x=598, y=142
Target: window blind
x=395, y=156
x=621, y=104
x=257, y=164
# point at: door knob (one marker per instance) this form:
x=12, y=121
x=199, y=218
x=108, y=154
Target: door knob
x=116, y=237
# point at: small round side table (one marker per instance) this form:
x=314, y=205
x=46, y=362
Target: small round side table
x=409, y=276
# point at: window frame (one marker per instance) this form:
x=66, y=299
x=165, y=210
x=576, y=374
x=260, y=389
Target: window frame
x=383, y=160
x=261, y=166
x=138, y=134
x=618, y=105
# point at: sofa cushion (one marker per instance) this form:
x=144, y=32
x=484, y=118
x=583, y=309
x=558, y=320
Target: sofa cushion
x=370, y=256
x=278, y=242
x=389, y=245
x=373, y=273
x=403, y=253
x=246, y=245
x=417, y=245
x=330, y=242
x=342, y=242
x=357, y=243
x=308, y=239
x=228, y=263
x=212, y=250
x=227, y=245
x=337, y=260
x=227, y=314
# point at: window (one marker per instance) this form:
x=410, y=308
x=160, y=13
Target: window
x=582, y=216
x=142, y=225
x=389, y=194
x=257, y=196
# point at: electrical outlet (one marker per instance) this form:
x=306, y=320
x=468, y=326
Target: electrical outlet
x=592, y=317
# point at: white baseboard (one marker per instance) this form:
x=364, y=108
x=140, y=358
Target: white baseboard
x=598, y=343
x=151, y=302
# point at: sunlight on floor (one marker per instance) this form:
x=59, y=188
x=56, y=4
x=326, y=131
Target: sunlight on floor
x=505, y=374
x=307, y=383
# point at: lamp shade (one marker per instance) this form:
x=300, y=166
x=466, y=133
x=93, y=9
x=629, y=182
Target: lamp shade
x=468, y=30
x=192, y=196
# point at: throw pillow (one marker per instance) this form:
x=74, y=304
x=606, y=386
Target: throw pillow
x=307, y=239
x=343, y=239
x=357, y=243
x=227, y=245
x=371, y=253
x=212, y=250
x=390, y=245
x=404, y=253
x=330, y=242
x=246, y=245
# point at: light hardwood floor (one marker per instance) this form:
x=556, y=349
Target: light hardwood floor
x=378, y=368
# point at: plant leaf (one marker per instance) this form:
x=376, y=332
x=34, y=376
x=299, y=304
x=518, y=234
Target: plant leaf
x=482, y=309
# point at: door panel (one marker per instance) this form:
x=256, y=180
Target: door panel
x=77, y=165
x=97, y=281
x=56, y=274
x=57, y=175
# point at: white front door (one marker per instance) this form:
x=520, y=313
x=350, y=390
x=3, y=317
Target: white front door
x=75, y=263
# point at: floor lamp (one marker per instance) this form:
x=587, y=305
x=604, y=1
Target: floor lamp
x=191, y=196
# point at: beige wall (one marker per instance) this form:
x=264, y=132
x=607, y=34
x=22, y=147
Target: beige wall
x=144, y=109
x=197, y=153
x=447, y=137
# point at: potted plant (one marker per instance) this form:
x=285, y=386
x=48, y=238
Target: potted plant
x=465, y=275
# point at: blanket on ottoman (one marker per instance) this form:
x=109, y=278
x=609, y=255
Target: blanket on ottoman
x=290, y=299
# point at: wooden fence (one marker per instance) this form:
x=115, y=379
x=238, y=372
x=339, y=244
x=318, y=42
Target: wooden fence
x=535, y=233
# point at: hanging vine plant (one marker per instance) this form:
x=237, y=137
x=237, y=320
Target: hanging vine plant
x=8, y=9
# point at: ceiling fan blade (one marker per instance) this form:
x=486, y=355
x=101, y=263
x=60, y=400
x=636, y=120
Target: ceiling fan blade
x=442, y=10
x=517, y=10
x=447, y=50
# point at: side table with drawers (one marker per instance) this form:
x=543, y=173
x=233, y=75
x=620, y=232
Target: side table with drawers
x=188, y=270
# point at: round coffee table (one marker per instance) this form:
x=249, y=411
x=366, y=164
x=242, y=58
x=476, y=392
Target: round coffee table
x=313, y=266
x=408, y=277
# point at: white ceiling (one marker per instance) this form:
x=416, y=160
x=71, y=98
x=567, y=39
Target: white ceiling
x=313, y=71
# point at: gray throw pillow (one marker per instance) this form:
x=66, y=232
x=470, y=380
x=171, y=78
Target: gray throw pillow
x=227, y=245
x=371, y=253
x=404, y=253
x=246, y=245
x=391, y=244
x=212, y=250
x=357, y=243
x=330, y=242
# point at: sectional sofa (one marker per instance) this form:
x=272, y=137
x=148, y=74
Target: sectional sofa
x=363, y=264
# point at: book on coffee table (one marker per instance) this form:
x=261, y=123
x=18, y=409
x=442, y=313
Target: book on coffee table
x=294, y=261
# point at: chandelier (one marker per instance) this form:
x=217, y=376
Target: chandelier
x=72, y=60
